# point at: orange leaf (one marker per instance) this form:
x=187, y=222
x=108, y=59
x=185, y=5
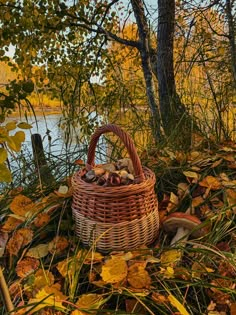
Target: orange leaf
x=19, y=239
x=211, y=182
x=27, y=235
x=41, y=219
x=26, y=266
x=15, y=244
x=159, y=298
x=11, y=224
x=21, y=205
x=58, y=244
x=3, y=242
x=197, y=201
x=233, y=309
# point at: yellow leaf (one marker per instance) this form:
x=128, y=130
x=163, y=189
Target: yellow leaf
x=47, y=297
x=177, y=305
x=3, y=155
x=174, y=199
x=89, y=302
x=14, y=142
x=5, y=174
x=191, y=174
x=11, y=125
x=168, y=273
x=24, y=125
x=38, y=251
x=170, y=257
x=114, y=270
x=43, y=278
x=68, y=267
x=138, y=276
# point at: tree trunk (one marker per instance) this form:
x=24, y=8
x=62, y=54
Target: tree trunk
x=232, y=34
x=144, y=49
x=175, y=119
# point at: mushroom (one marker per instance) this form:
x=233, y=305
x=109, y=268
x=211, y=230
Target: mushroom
x=185, y=224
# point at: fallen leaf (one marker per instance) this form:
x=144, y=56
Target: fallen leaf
x=14, y=244
x=92, y=258
x=19, y=239
x=159, y=298
x=27, y=235
x=138, y=277
x=177, y=305
x=216, y=163
x=49, y=296
x=183, y=190
x=3, y=242
x=38, y=251
x=211, y=182
x=168, y=272
x=197, y=201
x=199, y=270
x=114, y=270
x=11, y=224
x=42, y=219
x=89, y=304
x=191, y=175
x=26, y=266
x=68, y=267
x=229, y=157
x=231, y=198
x=43, y=278
x=58, y=244
x=170, y=257
x=21, y=205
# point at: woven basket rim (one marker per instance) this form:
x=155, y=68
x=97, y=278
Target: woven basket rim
x=93, y=189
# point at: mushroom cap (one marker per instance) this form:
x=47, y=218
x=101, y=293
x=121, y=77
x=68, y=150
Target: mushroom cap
x=180, y=219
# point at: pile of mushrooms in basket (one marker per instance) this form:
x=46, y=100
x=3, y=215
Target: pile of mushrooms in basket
x=111, y=174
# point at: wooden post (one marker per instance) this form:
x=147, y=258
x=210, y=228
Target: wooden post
x=44, y=171
x=38, y=151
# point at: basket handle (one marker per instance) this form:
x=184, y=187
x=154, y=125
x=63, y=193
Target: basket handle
x=128, y=142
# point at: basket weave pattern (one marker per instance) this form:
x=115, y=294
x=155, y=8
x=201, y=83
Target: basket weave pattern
x=120, y=217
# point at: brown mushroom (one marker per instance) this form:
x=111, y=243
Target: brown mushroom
x=184, y=224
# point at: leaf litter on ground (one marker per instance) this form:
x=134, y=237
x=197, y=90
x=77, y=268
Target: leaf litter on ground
x=49, y=272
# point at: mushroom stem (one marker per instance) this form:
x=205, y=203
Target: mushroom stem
x=181, y=235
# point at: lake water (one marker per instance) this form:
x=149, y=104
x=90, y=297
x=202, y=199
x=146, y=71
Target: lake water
x=56, y=140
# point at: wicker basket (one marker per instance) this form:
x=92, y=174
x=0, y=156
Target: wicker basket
x=120, y=217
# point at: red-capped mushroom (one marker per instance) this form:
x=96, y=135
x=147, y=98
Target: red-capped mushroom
x=185, y=224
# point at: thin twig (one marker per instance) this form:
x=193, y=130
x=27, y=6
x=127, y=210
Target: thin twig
x=5, y=293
